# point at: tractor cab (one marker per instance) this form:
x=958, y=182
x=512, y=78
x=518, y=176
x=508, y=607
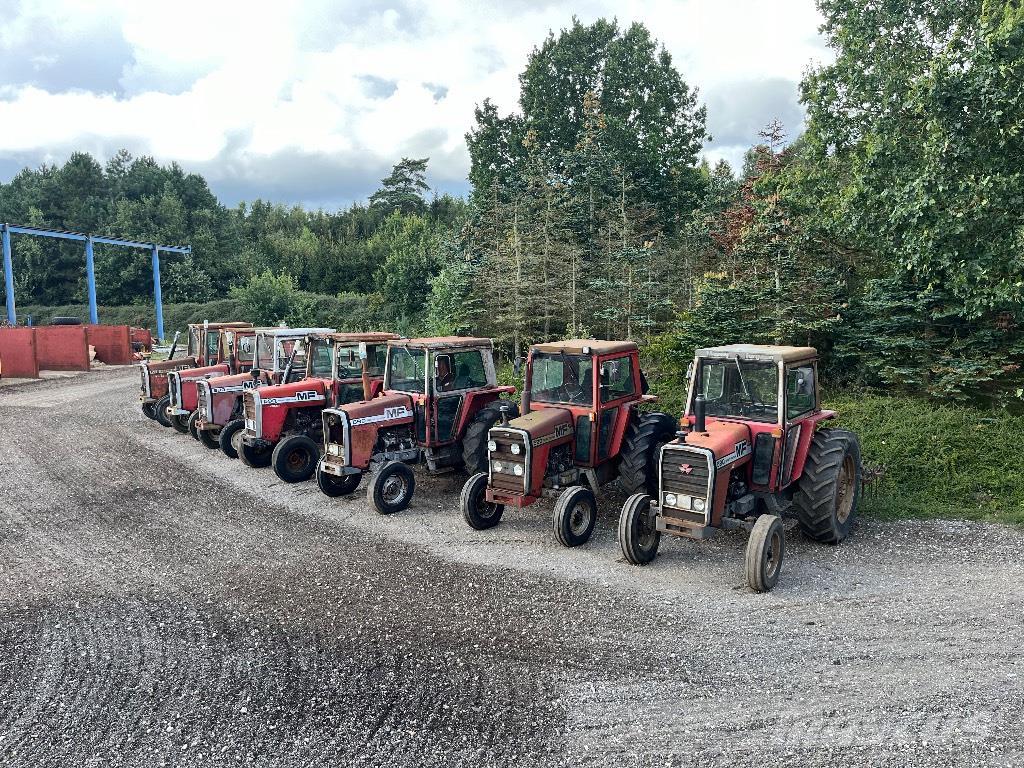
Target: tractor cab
x=579, y=430
x=751, y=451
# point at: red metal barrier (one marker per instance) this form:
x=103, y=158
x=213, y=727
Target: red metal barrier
x=142, y=337
x=113, y=343
x=18, y=358
x=62, y=348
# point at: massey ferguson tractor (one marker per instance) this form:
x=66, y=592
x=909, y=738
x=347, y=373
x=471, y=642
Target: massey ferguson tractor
x=236, y=355
x=283, y=427
x=440, y=397
x=753, y=450
x=280, y=358
x=204, y=347
x=580, y=429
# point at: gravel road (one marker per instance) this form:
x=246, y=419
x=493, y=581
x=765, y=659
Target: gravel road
x=163, y=605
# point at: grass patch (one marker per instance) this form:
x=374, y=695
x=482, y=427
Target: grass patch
x=937, y=461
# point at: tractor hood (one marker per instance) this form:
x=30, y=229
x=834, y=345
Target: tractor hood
x=206, y=372
x=385, y=410
x=162, y=366
x=727, y=440
x=545, y=425
x=233, y=382
x=312, y=391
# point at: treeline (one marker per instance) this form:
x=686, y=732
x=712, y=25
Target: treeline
x=889, y=234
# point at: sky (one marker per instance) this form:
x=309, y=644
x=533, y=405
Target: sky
x=311, y=103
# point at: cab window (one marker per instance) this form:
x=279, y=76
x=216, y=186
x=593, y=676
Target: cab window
x=349, y=365
x=616, y=379
x=406, y=372
x=264, y=351
x=320, y=363
x=212, y=340
x=193, y=342
x=457, y=371
x=740, y=388
x=562, y=378
x=376, y=359
x=246, y=348
x=799, y=390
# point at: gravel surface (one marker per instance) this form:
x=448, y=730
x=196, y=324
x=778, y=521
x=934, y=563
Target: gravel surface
x=163, y=605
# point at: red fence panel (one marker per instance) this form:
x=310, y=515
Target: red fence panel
x=62, y=348
x=113, y=343
x=18, y=359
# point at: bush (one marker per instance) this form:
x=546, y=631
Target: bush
x=267, y=299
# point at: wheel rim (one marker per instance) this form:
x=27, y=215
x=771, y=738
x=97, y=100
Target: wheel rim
x=645, y=531
x=579, y=518
x=297, y=460
x=845, y=490
x=236, y=441
x=485, y=510
x=393, y=489
x=773, y=555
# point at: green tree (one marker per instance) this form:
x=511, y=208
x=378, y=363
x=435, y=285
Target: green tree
x=403, y=189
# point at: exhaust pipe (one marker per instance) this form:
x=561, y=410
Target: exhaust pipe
x=504, y=411
x=699, y=424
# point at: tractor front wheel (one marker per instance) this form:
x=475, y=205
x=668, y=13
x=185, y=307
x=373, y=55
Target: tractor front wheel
x=639, y=536
x=193, y=424
x=149, y=410
x=638, y=457
x=208, y=438
x=160, y=406
x=480, y=513
x=253, y=456
x=391, y=489
x=575, y=515
x=334, y=486
x=765, y=551
x=829, y=488
x=229, y=436
x=295, y=458
x=180, y=423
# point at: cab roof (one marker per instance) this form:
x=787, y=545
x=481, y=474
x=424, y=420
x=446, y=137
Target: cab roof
x=298, y=332
x=369, y=336
x=443, y=342
x=594, y=347
x=759, y=352
x=218, y=326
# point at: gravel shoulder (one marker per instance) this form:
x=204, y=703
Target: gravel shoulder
x=161, y=604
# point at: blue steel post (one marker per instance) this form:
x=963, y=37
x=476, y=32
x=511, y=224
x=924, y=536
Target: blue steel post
x=90, y=279
x=12, y=316
x=156, y=294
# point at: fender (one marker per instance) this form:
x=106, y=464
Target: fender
x=475, y=401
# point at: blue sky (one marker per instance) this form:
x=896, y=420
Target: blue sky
x=312, y=102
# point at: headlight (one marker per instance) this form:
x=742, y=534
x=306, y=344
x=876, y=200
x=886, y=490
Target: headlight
x=698, y=504
x=516, y=449
x=670, y=499
x=497, y=466
x=492, y=446
x=334, y=449
x=517, y=470
x=332, y=421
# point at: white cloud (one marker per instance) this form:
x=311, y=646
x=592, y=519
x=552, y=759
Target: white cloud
x=225, y=86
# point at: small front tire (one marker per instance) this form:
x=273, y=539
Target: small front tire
x=208, y=438
x=193, y=424
x=295, y=458
x=574, y=516
x=253, y=456
x=478, y=512
x=334, y=486
x=766, y=549
x=227, y=437
x=180, y=423
x=639, y=536
x=160, y=406
x=391, y=489
x=149, y=410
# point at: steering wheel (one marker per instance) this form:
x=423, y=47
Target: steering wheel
x=574, y=393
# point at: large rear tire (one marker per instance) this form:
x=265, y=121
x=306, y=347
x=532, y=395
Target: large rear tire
x=574, y=516
x=160, y=406
x=391, y=489
x=227, y=432
x=334, y=486
x=766, y=549
x=828, y=491
x=255, y=457
x=295, y=458
x=638, y=457
x=478, y=512
x=639, y=536
x=474, y=441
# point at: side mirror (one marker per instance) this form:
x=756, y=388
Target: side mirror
x=437, y=363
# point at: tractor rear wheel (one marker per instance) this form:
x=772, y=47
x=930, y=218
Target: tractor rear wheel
x=639, y=536
x=474, y=441
x=480, y=513
x=295, y=458
x=208, y=438
x=334, y=486
x=180, y=423
x=574, y=516
x=638, y=457
x=160, y=406
x=193, y=424
x=226, y=440
x=391, y=489
x=149, y=410
x=766, y=548
x=254, y=456
x=829, y=489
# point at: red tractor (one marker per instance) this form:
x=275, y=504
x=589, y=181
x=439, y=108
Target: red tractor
x=580, y=429
x=204, y=347
x=753, y=452
x=280, y=358
x=440, y=398
x=282, y=422
x=236, y=355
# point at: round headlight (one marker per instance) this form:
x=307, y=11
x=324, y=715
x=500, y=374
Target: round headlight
x=491, y=445
x=332, y=421
x=497, y=466
x=698, y=504
x=517, y=470
x=670, y=499
x=516, y=450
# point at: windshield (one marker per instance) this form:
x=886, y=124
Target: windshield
x=320, y=359
x=407, y=369
x=745, y=389
x=285, y=348
x=562, y=378
x=349, y=366
x=246, y=348
x=212, y=340
x=265, y=351
x=193, y=342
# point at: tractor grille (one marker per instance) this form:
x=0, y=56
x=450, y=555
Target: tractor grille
x=251, y=406
x=144, y=371
x=505, y=480
x=675, y=478
x=205, y=400
x=174, y=388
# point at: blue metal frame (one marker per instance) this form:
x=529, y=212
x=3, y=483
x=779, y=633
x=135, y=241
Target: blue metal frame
x=153, y=248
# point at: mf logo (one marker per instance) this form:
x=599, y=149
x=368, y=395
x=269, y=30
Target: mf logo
x=307, y=394
x=249, y=384
x=686, y=469
x=742, y=448
x=561, y=430
x=396, y=412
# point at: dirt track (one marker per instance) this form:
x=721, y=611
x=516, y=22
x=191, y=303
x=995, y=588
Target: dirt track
x=160, y=604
